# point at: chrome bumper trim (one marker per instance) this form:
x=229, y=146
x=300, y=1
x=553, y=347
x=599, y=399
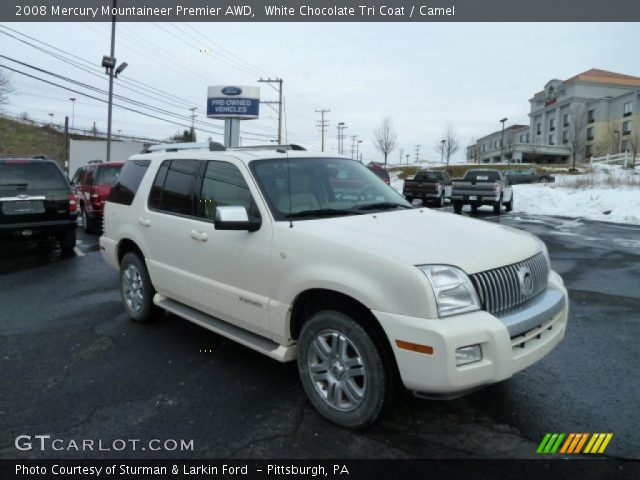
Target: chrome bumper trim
x=534, y=313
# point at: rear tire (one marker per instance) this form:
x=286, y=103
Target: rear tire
x=497, y=207
x=136, y=290
x=440, y=201
x=88, y=223
x=509, y=204
x=457, y=207
x=409, y=199
x=343, y=370
x=67, y=241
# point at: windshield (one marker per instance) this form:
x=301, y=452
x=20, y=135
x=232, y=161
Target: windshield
x=108, y=174
x=26, y=175
x=322, y=187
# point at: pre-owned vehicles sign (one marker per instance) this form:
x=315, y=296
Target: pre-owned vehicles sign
x=232, y=101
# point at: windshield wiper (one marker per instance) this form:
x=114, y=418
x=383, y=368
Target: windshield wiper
x=320, y=212
x=382, y=206
x=13, y=184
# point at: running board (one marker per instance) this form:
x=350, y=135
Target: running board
x=237, y=334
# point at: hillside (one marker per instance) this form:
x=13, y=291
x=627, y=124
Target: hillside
x=31, y=138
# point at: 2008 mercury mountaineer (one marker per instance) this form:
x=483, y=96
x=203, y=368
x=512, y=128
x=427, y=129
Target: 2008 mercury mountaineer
x=307, y=256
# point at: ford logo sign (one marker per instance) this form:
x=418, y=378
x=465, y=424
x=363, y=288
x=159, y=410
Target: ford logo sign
x=231, y=91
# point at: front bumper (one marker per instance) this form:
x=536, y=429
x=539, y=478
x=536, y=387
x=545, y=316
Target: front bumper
x=535, y=331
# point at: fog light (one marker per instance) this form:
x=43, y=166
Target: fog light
x=466, y=355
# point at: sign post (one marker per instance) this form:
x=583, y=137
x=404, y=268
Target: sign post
x=232, y=104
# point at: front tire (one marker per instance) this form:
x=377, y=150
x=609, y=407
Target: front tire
x=136, y=290
x=457, y=207
x=343, y=370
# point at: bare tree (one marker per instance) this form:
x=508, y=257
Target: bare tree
x=450, y=145
x=5, y=88
x=385, y=139
x=577, y=132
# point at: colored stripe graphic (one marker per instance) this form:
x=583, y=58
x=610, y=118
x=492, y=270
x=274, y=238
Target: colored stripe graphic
x=553, y=443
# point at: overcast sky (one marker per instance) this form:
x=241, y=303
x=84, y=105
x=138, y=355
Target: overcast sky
x=424, y=76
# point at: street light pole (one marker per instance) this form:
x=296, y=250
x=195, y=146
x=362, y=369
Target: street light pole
x=442, y=142
x=502, y=140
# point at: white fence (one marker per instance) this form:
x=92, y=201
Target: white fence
x=619, y=159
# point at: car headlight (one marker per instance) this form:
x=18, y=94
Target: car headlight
x=453, y=290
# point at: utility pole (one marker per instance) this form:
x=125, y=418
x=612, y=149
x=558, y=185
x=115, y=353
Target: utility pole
x=110, y=107
x=417, y=153
x=502, y=141
x=279, y=102
x=341, y=127
x=193, y=123
x=401, y=155
x=66, y=143
x=353, y=144
x=323, y=124
x=73, y=111
x=358, y=154
x=407, y=159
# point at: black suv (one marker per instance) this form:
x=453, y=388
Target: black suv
x=36, y=201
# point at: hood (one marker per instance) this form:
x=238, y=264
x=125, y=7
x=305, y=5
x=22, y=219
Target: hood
x=423, y=236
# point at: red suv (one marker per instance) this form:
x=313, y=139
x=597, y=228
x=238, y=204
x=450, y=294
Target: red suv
x=92, y=184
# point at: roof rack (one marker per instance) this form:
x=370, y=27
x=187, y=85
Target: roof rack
x=271, y=146
x=174, y=147
x=217, y=147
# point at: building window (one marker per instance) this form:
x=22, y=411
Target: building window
x=565, y=120
x=552, y=124
x=626, y=128
x=551, y=140
x=627, y=110
x=590, y=133
x=528, y=138
x=588, y=152
x=538, y=129
x=626, y=146
x=565, y=136
x=591, y=116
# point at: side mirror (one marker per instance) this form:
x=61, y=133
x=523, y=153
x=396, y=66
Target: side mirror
x=235, y=218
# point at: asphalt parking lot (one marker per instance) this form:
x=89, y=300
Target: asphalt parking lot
x=73, y=366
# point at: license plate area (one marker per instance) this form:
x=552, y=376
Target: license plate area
x=23, y=207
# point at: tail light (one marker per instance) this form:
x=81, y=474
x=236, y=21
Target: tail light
x=73, y=206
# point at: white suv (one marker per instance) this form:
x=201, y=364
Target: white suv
x=309, y=256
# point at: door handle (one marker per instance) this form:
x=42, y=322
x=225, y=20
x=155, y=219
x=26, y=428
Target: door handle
x=145, y=222
x=200, y=236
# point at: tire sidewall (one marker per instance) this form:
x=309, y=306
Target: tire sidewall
x=145, y=313
x=377, y=389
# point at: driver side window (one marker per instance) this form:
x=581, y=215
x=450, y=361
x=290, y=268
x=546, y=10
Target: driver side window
x=223, y=185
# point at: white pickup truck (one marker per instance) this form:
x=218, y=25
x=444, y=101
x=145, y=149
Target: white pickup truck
x=307, y=256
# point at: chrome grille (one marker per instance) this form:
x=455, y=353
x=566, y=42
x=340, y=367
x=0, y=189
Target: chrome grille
x=500, y=289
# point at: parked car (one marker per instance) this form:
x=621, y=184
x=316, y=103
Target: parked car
x=36, y=201
x=92, y=184
x=268, y=249
x=431, y=186
x=482, y=187
x=528, y=175
x=380, y=171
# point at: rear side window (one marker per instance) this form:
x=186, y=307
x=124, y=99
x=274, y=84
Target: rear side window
x=27, y=175
x=124, y=191
x=173, y=187
x=429, y=176
x=108, y=175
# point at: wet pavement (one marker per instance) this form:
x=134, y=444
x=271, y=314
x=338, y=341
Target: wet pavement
x=72, y=365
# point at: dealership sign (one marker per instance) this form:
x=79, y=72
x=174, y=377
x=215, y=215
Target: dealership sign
x=233, y=101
